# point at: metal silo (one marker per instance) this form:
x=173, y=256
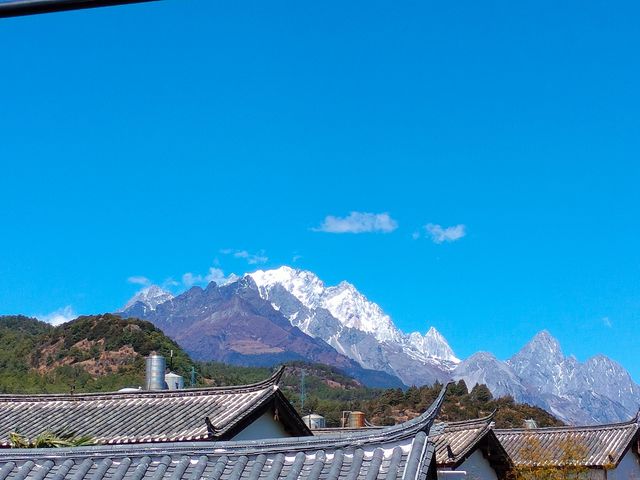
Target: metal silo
x=356, y=420
x=156, y=366
x=314, y=421
x=174, y=381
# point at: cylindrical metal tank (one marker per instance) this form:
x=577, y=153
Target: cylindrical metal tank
x=356, y=420
x=174, y=381
x=156, y=366
x=314, y=421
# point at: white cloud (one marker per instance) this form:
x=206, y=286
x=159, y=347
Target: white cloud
x=607, y=322
x=218, y=276
x=251, y=258
x=296, y=258
x=139, y=280
x=189, y=279
x=358, y=222
x=60, y=316
x=440, y=234
x=214, y=275
x=170, y=283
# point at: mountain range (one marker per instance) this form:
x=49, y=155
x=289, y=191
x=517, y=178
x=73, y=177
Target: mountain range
x=271, y=316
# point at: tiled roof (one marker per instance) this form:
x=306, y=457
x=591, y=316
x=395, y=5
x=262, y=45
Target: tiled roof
x=458, y=439
x=343, y=431
x=592, y=446
x=454, y=441
x=148, y=416
x=399, y=452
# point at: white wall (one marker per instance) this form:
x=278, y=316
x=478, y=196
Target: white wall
x=628, y=468
x=476, y=466
x=263, y=427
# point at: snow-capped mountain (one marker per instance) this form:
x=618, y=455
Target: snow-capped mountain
x=355, y=326
x=147, y=299
x=485, y=368
x=242, y=322
x=598, y=390
x=431, y=345
x=343, y=301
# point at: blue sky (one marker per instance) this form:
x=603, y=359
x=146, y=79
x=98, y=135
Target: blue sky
x=162, y=139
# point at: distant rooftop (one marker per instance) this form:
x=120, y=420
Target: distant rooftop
x=393, y=453
x=591, y=446
x=195, y=414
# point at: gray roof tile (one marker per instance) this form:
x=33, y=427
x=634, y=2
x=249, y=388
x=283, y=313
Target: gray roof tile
x=145, y=416
x=592, y=446
x=399, y=452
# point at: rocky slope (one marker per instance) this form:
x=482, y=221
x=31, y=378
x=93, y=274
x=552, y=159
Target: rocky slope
x=90, y=353
x=283, y=314
x=233, y=324
x=356, y=327
x=598, y=390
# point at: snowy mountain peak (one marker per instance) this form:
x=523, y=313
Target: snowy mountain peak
x=302, y=284
x=543, y=345
x=432, y=345
x=150, y=296
x=344, y=301
x=353, y=310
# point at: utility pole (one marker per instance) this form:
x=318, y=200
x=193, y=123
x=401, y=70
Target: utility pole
x=302, y=392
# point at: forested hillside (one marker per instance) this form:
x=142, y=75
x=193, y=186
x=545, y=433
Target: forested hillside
x=92, y=353
x=328, y=392
x=106, y=352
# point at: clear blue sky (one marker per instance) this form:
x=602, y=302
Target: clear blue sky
x=146, y=140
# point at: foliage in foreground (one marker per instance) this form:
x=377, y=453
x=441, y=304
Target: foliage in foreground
x=49, y=439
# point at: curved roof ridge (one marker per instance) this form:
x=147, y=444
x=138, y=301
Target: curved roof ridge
x=487, y=419
x=272, y=381
x=421, y=423
x=570, y=428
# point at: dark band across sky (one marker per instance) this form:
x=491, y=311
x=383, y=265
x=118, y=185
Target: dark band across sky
x=17, y=8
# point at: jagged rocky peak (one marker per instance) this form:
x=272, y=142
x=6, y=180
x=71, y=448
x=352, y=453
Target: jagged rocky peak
x=354, y=311
x=432, y=345
x=543, y=348
x=485, y=368
x=343, y=301
x=302, y=284
x=150, y=297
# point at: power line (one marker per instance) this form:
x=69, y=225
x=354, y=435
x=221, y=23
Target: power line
x=18, y=8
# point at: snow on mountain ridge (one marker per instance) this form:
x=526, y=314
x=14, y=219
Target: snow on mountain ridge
x=432, y=345
x=150, y=296
x=363, y=331
x=343, y=301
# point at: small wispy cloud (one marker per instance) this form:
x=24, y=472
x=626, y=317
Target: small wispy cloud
x=295, y=258
x=607, y=322
x=60, y=316
x=358, y=222
x=218, y=276
x=189, y=279
x=251, y=258
x=215, y=274
x=139, y=280
x=439, y=234
x=170, y=283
